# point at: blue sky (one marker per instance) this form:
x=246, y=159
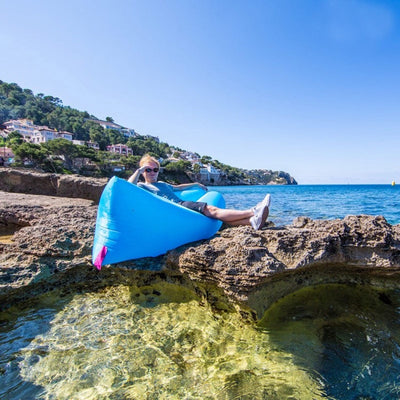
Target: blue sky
x=310, y=87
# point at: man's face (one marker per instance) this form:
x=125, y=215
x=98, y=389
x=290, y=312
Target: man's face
x=151, y=172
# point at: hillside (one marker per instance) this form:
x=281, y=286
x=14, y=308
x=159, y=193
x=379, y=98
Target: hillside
x=42, y=110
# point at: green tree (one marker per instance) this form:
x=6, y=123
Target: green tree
x=179, y=166
x=15, y=139
x=86, y=152
x=138, y=147
x=206, y=159
x=196, y=168
x=4, y=112
x=115, y=137
x=3, y=142
x=96, y=133
x=33, y=153
x=131, y=162
x=64, y=148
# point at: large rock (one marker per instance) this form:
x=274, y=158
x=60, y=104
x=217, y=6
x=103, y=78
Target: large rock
x=32, y=182
x=261, y=267
x=52, y=235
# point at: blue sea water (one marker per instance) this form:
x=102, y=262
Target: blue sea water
x=318, y=201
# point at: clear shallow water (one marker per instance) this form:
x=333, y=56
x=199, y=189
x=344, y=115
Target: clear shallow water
x=318, y=201
x=162, y=342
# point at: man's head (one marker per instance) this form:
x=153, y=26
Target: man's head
x=152, y=168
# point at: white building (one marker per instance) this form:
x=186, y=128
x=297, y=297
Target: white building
x=190, y=156
x=33, y=133
x=43, y=134
x=129, y=132
x=120, y=149
x=65, y=135
x=92, y=145
x=24, y=127
x=210, y=174
x=112, y=125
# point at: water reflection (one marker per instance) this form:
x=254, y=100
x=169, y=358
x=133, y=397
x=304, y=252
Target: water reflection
x=348, y=335
x=164, y=342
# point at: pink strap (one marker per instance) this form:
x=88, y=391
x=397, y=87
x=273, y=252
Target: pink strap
x=100, y=258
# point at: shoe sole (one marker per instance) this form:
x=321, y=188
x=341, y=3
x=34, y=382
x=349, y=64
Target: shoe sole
x=264, y=217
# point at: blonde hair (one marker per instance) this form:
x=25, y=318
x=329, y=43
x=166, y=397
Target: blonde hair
x=147, y=158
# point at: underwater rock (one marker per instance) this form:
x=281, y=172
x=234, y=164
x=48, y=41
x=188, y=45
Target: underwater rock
x=53, y=237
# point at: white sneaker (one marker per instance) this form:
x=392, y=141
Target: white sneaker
x=261, y=212
x=266, y=202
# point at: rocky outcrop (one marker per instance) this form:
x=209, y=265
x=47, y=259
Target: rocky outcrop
x=52, y=248
x=51, y=235
x=32, y=182
x=261, y=267
x=268, y=177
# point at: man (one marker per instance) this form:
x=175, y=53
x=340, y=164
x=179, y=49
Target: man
x=149, y=168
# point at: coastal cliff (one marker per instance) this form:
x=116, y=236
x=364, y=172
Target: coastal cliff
x=249, y=177
x=52, y=238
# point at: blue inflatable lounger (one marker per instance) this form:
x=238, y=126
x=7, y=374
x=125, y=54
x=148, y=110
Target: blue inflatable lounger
x=133, y=223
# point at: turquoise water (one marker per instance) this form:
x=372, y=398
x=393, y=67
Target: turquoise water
x=318, y=201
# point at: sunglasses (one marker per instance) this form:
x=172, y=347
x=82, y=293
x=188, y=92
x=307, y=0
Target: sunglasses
x=154, y=170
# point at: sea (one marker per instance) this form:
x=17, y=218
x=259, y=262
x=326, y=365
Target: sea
x=317, y=201
x=164, y=341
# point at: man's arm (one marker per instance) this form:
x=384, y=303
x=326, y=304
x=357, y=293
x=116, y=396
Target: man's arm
x=184, y=186
x=135, y=176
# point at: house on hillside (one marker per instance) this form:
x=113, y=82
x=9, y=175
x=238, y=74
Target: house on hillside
x=190, y=156
x=65, y=135
x=92, y=145
x=122, y=149
x=155, y=138
x=32, y=133
x=112, y=125
x=24, y=127
x=210, y=174
x=43, y=134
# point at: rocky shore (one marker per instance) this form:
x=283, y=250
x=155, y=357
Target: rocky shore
x=52, y=237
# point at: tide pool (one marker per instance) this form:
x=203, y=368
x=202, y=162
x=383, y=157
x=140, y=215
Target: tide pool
x=317, y=201
x=337, y=342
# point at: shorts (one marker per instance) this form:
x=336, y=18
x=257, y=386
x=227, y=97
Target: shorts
x=194, y=205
